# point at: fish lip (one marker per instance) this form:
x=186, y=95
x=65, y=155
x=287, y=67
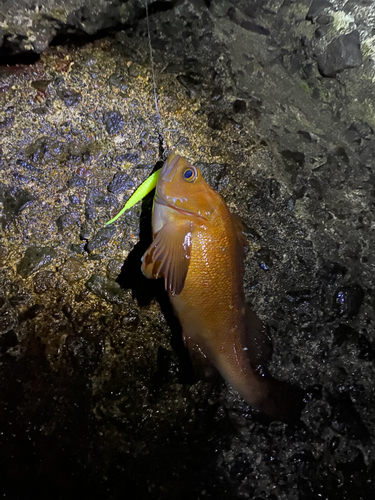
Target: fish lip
x=162, y=201
x=168, y=170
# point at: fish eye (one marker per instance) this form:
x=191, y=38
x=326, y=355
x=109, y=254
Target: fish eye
x=190, y=174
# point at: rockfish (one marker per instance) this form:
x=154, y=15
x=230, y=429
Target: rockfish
x=198, y=248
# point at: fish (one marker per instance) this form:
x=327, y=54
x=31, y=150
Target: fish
x=198, y=248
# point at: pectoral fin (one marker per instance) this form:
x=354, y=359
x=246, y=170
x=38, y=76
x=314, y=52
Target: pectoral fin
x=168, y=256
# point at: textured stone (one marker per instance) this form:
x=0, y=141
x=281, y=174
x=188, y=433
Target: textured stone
x=113, y=121
x=34, y=259
x=74, y=270
x=316, y=8
x=121, y=182
x=107, y=289
x=101, y=238
x=343, y=52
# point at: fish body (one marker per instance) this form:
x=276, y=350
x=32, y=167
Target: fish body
x=198, y=248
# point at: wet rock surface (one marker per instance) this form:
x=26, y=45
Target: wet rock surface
x=273, y=101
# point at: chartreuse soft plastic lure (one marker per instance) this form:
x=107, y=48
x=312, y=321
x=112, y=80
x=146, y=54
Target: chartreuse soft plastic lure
x=146, y=186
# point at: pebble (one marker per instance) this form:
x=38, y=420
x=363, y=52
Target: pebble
x=14, y=201
x=69, y=96
x=121, y=182
x=90, y=213
x=217, y=120
x=101, y=238
x=97, y=198
x=74, y=270
x=44, y=281
x=113, y=122
x=118, y=81
x=107, y=289
x=67, y=220
x=76, y=181
x=34, y=259
x=77, y=248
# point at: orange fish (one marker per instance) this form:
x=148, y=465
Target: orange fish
x=198, y=248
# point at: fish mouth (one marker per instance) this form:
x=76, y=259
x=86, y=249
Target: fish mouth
x=169, y=171
x=162, y=201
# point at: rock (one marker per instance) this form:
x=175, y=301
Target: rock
x=118, y=81
x=113, y=122
x=7, y=319
x=34, y=259
x=76, y=181
x=128, y=158
x=90, y=213
x=85, y=231
x=3, y=253
x=31, y=313
x=255, y=28
x=239, y=106
x=324, y=19
x=114, y=267
x=343, y=52
x=69, y=96
x=97, y=198
x=345, y=419
x=84, y=351
x=130, y=320
x=215, y=174
x=192, y=85
x=107, y=289
x=78, y=248
x=347, y=300
x=14, y=201
x=74, y=200
x=101, y=238
x=67, y=220
x=366, y=348
x=44, y=281
x=316, y=8
x=217, y=120
x=73, y=270
x=121, y=182
x=344, y=333
x=8, y=340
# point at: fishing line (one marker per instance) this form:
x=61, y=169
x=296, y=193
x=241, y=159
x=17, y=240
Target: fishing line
x=149, y=184
x=160, y=123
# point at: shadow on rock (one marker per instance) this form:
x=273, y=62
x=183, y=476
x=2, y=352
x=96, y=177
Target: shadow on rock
x=145, y=290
